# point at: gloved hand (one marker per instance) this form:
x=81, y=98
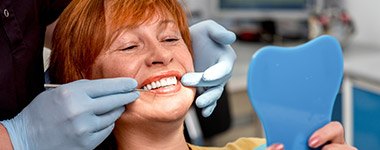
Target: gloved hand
x=78, y=115
x=213, y=59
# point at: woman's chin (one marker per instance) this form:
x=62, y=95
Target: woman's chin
x=170, y=114
x=161, y=108
x=154, y=116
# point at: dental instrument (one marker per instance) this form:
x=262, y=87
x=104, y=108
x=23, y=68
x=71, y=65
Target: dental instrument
x=57, y=85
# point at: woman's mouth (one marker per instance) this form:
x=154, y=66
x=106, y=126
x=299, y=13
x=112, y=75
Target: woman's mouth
x=162, y=83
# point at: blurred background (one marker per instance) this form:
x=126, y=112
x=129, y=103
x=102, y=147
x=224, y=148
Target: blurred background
x=258, y=23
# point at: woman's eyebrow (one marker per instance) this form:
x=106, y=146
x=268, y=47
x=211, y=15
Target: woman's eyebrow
x=164, y=24
x=167, y=24
x=166, y=21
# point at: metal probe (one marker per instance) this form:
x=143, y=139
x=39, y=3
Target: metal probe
x=56, y=85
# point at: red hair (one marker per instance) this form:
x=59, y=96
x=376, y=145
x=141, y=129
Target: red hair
x=80, y=34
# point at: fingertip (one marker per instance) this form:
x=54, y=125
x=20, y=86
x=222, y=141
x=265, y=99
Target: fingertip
x=137, y=94
x=216, y=32
x=314, y=141
x=121, y=110
x=206, y=112
x=204, y=100
x=213, y=75
x=217, y=71
x=112, y=126
x=220, y=34
x=133, y=96
x=200, y=102
x=128, y=98
x=223, y=37
x=279, y=147
x=101, y=135
x=118, y=112
x=210, y=96
x=130, y=82
x=276, y=146
x=191, y=79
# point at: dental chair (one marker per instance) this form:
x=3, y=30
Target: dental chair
x=199, y=128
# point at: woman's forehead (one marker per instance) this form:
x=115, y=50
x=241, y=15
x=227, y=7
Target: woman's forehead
x=128, y=14
x=158, y=20
x=118, y=19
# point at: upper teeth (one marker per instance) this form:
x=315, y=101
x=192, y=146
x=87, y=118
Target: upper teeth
x=161, y=83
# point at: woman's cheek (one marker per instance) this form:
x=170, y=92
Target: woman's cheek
x=189, y=65
x=122, y=69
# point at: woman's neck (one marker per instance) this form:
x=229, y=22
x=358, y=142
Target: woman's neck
x=156, y=135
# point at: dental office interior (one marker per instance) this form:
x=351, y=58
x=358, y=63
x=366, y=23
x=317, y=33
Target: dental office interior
x=287, y=23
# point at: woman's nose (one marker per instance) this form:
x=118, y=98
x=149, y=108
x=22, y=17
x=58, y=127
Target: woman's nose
x=159, y=55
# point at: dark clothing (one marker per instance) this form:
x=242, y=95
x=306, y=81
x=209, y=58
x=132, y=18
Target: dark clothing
x=22, y=30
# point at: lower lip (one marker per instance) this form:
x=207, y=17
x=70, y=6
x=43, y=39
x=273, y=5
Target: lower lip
x=168, y=89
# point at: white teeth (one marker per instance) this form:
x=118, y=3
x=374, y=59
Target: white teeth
x=161, y=83
x=153, y=84
x=158, y=84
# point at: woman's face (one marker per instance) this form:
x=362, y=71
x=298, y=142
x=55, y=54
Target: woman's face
x=154, y=54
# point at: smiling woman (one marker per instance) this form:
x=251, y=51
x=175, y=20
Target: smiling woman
x=145, y=40
x=87, y=27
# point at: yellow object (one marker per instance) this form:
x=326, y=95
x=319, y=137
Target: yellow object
x=239, y=144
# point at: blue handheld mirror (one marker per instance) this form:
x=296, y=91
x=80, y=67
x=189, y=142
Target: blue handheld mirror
x=293, y=89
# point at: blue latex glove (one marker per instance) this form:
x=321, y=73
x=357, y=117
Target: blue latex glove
x=78, y=115
x=213, y=59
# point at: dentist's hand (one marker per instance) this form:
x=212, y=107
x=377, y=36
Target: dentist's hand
x=78, y=115
x=213, y=59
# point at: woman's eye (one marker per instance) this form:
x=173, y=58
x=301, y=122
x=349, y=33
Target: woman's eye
x=129, y=48
x=171, y=39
